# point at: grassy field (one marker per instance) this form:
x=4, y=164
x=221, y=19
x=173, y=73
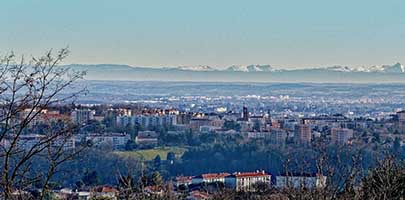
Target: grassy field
x=150, y=154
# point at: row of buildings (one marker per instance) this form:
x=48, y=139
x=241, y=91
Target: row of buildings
x=278, y=129
x=116, y=141
x=247, y=122
x=254, y=126
x=340, y=129
x=35, y=141
x=194, y=186
x=251, y=181
x=27, y=142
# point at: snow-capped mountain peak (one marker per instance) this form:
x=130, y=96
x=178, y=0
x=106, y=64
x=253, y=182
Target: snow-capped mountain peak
x=396, y=68
x=340, y=68
x=196, y=68
x=250, y=68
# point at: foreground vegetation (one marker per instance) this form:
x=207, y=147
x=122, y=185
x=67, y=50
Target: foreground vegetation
x=384, y=182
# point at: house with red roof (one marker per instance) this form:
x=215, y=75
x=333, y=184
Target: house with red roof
x=246, y=181
x=183, y=180
x=210, y=178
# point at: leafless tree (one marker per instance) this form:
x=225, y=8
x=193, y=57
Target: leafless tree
x=27, y=90
x=341, y=167
x=128, y=185
x=386, y=181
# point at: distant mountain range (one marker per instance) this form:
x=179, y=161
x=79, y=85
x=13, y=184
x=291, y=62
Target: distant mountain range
x=396, y=68
x=250, y=68
x=245, y=73
x=234, y=68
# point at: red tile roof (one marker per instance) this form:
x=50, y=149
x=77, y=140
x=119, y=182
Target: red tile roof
x=213, y=176
x=250, y=174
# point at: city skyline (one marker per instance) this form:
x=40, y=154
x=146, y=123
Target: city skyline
x=184, y=99
x=177, y=33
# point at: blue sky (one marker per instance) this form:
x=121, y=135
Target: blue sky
x=210, y=32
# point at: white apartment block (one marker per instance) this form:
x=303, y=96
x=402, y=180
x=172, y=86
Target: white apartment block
x=300, y=180
x=147, y=120
x=81, y=116
x=36, y=141
x=246, y=181
x=115, y=140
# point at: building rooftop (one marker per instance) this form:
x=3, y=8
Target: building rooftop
x=250, y=174
x=296, y=174
x=213, y=175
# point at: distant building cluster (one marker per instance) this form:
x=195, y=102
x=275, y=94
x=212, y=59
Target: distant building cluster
x=279, y=130
x=120, y=127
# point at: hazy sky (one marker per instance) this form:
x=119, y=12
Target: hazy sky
x=301, y=33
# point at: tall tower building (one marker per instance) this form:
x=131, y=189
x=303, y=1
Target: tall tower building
x=80, y=116
x=245, y=114
x=341, y=136
x=401, y=121
x=303, y=133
